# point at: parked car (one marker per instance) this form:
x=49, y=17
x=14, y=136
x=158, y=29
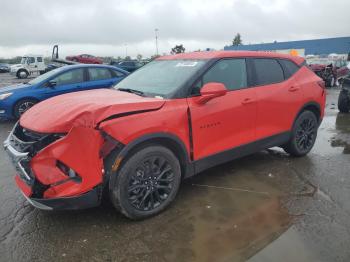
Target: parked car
x=85, y=59
x=331, y=71
x=16, y=99
x=129, y=66
x=4, y=68
x=344, y=96
x=30, y=65
x=169, y=120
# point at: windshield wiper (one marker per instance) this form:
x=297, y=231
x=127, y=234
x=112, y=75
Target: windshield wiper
x=137, y=92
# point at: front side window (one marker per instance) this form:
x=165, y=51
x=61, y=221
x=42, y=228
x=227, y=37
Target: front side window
x=71, y=77
x=231, y=72
x=99, y=74
x=267, y=71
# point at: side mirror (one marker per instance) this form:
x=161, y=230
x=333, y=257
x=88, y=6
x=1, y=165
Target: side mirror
x=52, y=83
x=210, y=91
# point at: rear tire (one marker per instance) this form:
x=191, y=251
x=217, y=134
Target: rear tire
x=22, y=106
x=343, y=102
x=146, y=183
x=304, y=135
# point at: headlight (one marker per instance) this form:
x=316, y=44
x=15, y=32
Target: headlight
x=6, y=95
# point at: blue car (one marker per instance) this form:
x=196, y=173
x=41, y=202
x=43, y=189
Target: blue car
x=16, y=99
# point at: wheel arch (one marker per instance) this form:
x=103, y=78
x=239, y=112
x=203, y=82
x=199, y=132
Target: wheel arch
x=170, y=141
x=313, y=107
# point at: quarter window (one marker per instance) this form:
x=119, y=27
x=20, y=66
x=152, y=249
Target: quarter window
x=231, y=72
x=289, y=68
x=267, y=71
x=70, y=77
x=99, y=74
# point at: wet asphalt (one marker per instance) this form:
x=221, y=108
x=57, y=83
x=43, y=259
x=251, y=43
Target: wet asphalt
x=264, y=207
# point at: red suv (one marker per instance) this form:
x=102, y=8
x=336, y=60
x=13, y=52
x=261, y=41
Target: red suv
x=85, y=59
x=171, y=119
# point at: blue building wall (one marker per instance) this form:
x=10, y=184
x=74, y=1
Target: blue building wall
x=338, y=45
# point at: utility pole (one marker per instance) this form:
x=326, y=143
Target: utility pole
x=126, y=50
x=156, y=33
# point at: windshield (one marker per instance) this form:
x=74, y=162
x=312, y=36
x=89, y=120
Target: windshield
x=161, y=77
x=24, y=60
x=44, y=76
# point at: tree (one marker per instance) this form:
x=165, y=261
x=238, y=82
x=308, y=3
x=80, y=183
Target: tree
x=127, y=58
x=178, y=49
x=237, y=40
x=139, y=57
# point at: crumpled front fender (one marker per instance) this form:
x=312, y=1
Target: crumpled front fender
x=78, y=150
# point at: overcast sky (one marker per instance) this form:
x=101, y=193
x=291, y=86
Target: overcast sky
x=117, y=27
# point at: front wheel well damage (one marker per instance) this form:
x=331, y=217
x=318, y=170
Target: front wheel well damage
x=124, y=154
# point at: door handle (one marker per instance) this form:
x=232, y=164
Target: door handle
x=247, y=101
x=293, y=88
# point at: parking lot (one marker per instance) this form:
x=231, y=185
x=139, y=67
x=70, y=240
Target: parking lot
x=264, y=207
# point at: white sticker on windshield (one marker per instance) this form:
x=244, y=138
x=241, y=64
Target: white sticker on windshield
x=186, y=64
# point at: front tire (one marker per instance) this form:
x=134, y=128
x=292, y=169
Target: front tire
x=304, y=135
x=22, y=106
x=146, y=183
x=22, y=74
x=343, y=102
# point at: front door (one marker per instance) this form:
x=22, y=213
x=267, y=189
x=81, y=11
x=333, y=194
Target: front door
x=223, y=122
x=69, y=81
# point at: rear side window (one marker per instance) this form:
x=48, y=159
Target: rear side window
x=267, y=71
x=289, y=68
x=231, y=72
x=39, y=59
x=99, y=74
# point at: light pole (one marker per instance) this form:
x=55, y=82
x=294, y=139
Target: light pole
x=126, y=50
x=156, y=33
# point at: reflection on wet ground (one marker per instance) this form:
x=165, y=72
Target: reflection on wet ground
x=264, y=207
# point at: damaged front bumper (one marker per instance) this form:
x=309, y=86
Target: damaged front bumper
x=57, y=171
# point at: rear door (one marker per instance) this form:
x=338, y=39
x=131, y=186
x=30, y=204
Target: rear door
x=102, y=78
x=68, y=81
x=278, y=94
x=228, y=121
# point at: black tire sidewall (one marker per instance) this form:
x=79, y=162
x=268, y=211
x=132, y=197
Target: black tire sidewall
x=17, y=105
x=119, y=182
x=292, y=147
x=19, y=74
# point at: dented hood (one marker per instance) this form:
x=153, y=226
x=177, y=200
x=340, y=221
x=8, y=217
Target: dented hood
x=87, y=108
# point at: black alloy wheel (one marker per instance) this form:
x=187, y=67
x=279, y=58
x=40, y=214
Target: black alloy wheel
x=151, y=183
x=303, y=135
x=146, y=182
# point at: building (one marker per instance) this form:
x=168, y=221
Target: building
x=319, y=47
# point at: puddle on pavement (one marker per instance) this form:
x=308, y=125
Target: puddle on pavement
x=231, y=222
x=342, y=137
